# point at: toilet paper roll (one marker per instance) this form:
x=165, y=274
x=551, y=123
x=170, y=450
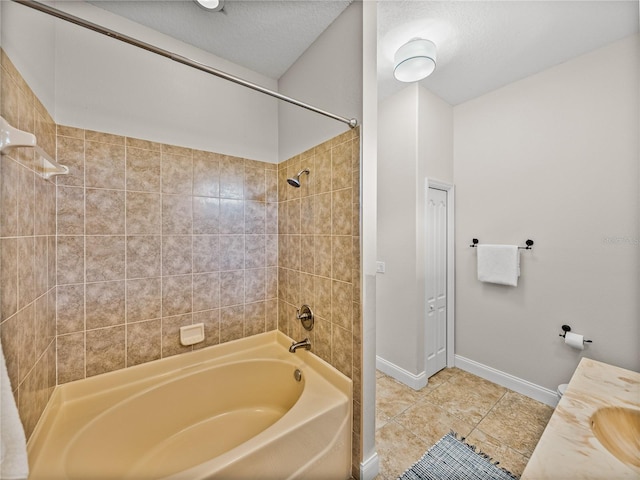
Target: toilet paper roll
x=574, y=340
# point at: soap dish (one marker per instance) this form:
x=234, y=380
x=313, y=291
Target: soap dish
x=192, y=334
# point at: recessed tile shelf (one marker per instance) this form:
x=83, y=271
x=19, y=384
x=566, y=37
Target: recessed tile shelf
x=11, y=137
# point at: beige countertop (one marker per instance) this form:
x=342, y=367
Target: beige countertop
x=568, y=448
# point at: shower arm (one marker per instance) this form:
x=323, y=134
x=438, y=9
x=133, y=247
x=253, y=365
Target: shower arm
x=352, y=122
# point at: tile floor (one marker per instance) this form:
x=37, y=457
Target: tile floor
x=500, y=422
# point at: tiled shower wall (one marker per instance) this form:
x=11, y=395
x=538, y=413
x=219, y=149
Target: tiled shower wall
x=152, y=237
x=27, y=252
x=319, y=261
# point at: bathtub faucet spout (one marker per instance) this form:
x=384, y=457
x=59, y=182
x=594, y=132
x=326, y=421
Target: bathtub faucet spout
x=306, y=344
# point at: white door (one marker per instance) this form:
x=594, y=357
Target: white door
x=436, y=281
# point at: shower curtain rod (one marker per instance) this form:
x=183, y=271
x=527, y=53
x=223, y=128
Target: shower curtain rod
x=352, y=122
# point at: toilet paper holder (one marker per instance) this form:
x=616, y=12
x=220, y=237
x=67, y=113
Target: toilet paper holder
x=567, y=328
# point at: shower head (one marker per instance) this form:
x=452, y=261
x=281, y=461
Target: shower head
x=295, y=181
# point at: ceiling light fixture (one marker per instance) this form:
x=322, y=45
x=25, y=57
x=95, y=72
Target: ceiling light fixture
x=415, y=60
x=211, y=5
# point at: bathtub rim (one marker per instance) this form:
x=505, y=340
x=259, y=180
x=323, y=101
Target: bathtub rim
x=152, y=372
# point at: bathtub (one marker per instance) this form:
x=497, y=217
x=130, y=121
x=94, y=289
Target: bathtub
x=233, y=411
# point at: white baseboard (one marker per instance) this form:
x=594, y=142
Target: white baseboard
x=414, y=381
x=370, y=468
x=516, y=384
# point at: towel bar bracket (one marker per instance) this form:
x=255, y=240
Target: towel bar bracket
x=528, y=243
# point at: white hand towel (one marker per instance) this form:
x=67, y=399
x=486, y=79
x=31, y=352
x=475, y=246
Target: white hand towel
x=13, y=445
x=499, y=264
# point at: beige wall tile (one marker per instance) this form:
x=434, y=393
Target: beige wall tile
x=232, y=288
x=177, y=254
x=105, y=304
x=271, y=218
x=271, y=250
x=143, y=256
x=143, y=342
x=255, y=284
x=70, y=211
x=27, y=335
x=341, y=210
x=255, y=187
x=105, y=258
x=105, y=165
x=232, y=248
x=271, y=185
x=70, y=309
x=211, y=321
x=177, y=295
x=206, y=215
x=231, y=323
x=231, y=177
x=144, y=299
x=26, y=271
x=342, y=350
x=341, y=166
x=105, y=212
x=341, y=304
x=177, y=174
x=143, y=144
x=72, y=132
x=70, y=259
x=255, y=251
x=322, y=175
x=254, y=318
x=93, y=136
x=341, y=260
x=206, y=291
x=322, y=255
x=143, y=170
x=40, y=266
x=26, y=201
x=143, y=213
x=71, y=357
x=105, y=350
x=9, y=170
x=206, y=253
x=171, y=334
x=8, y=277
x=177, y=215
x=206, y=174
x=254, y=217
x=231, y=216
x=45, y=208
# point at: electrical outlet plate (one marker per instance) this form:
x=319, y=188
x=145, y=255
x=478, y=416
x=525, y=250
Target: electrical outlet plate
x=380, y=267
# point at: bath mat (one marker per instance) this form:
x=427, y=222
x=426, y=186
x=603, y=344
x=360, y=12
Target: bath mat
x=451, y=459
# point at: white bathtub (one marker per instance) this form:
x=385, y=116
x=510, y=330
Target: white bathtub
x=233, y=411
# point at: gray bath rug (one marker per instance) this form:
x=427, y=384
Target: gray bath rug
x=451, y=459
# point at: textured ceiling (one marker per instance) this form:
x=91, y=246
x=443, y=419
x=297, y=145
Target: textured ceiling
x=482, y=44
x=266, y=36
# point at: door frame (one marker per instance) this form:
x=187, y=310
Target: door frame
x=450, y=191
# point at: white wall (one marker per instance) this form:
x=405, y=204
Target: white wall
x=328, y=75
x=415, y=141
x=28, y=38
x=91, y=81
x=554, y=158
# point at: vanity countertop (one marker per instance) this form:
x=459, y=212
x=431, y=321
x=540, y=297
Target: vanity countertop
x=568, y=448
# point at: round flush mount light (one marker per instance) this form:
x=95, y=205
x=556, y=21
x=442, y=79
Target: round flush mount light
x=211, y=5
x=414, y=60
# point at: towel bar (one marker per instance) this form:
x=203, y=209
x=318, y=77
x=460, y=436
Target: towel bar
x=529, y=244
